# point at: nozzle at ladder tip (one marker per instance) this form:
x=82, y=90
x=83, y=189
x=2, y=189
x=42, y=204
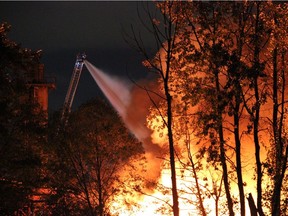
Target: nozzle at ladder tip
x=81, y=57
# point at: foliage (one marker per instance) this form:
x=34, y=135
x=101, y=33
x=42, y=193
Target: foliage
x=97, y=156
x=227, y=82
x=21, y=127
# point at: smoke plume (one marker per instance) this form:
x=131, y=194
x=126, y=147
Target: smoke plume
x=132, y=103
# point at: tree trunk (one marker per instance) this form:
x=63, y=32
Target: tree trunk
x=222, y=150
x=238, y=90
x=198, y=193
x=194, y=171
x=253, y=209
x=280, y=155
x=257, y=105
x=172, y=153
x=238, y=154
x=99, y=183
x=166, y=79
x=225, y=171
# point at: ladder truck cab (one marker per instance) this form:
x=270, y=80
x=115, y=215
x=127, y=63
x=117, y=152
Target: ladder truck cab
x=72, y=87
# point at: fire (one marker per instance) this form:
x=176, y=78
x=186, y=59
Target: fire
x=158, y=201
x=154, y=196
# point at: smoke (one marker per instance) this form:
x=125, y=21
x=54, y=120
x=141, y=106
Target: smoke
x=131, y=102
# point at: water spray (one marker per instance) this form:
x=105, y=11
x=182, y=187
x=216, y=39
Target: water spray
x=119, y=93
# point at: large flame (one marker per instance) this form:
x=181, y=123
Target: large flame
x=154, y=197
x=158, y=202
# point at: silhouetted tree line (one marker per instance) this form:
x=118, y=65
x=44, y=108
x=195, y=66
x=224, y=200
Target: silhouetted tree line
x=46, y=170
x=222, y=71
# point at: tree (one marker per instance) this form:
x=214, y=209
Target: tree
x=277, y=162
x=228, y=58
x=22, y=133
x=164, y=32
x=99, y=160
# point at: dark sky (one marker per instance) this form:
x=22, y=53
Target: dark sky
x=63, y=29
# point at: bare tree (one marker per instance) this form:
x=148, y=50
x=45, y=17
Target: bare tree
x=164, y=32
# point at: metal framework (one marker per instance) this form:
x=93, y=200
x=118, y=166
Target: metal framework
x=72, y=87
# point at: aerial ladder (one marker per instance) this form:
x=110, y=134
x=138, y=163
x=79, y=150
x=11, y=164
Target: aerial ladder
x=72, y=87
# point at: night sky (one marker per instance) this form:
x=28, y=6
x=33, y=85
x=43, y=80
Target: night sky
x=63, y=29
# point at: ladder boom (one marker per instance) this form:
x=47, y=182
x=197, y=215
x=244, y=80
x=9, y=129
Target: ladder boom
x=73, y=86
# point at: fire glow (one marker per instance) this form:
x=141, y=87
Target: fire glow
x=155, y=202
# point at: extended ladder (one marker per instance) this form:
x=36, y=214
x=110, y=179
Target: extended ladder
x=72, y=87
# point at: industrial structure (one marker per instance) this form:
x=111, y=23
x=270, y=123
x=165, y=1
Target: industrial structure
x=39, y=86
